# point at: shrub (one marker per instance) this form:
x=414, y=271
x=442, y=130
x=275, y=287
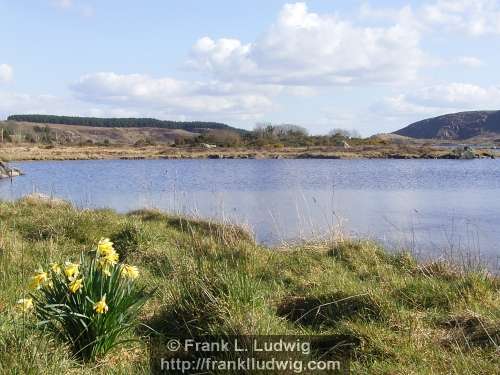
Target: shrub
x=91, y=305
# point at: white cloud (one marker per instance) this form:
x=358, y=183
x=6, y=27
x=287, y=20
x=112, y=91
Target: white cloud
x=437, y=100
x=11, y=103
x=81, y=7
x=305, y=48
x=63, y=3
x=457, y=95
x=172, y=96
x=6, y=73
x=19, y=103
x=474, y=17
x=469, y=61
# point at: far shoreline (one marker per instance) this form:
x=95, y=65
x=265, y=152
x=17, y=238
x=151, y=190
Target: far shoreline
x=30, y=152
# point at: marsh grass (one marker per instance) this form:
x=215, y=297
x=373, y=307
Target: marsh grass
x=395, y=315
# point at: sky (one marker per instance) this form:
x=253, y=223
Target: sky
x=372, y=66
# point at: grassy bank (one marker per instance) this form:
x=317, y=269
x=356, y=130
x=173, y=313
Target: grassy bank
x=20, y=152
x=402, y=317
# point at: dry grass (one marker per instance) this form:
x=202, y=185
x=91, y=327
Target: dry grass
x=20, y=152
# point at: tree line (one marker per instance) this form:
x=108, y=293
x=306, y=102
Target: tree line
x=122, y=122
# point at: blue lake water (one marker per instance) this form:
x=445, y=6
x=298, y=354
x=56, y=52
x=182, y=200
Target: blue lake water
x=431, y=207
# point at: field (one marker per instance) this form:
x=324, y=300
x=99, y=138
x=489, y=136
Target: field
x=400, y=317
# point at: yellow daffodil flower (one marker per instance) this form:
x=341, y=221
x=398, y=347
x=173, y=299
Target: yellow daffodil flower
x=104, y=247
x=100, y=307
x=111, y=257
x=55, y=267
x=71, y=270
x=130, y=272
x=104, y=267
x=39, y=279
x=75, y=285
x=106, y=262
x=25, y=304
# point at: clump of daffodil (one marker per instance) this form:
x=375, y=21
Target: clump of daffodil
x=39, y=279
x=100, y=306
x=91, y=303
x=75, y=285
x=25, y=304
x=129, y=272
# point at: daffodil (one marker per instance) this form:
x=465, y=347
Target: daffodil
x=39, y=279
x=71, y=270
x=55, y=267
x=130, y=272
x=75, y=285
x=111, y=257
x=25, y=304
x=104, y=247
x=104, y=263
x=101, y=307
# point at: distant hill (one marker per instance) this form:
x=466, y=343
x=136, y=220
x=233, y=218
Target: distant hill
x=190, y=126
x=75, y=134
x=455, y=126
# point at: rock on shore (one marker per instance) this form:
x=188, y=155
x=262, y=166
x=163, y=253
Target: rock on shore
x=8, y=172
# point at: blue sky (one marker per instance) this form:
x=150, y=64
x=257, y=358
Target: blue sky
x=371, y=66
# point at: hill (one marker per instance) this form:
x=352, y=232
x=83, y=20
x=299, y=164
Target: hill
x=455, y=126
x=191, y=126
x=77, y=134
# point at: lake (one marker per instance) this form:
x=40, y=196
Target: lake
x=430, y=207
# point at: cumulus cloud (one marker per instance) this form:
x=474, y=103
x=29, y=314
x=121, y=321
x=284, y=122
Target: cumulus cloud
x=472, y=17
x=439, y=99
x=469, y=61
x=458, y=95
x=173, y=96
x=6, y=73
x=306, y=48
x=11, y=103
x=19, y=103
x=475, y=17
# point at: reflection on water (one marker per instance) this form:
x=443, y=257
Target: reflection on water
x=423, y=205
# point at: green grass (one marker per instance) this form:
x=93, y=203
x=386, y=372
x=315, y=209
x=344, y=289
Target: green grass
x=402, y=317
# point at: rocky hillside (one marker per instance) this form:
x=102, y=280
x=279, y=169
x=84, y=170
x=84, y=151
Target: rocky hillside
x=455, y=126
